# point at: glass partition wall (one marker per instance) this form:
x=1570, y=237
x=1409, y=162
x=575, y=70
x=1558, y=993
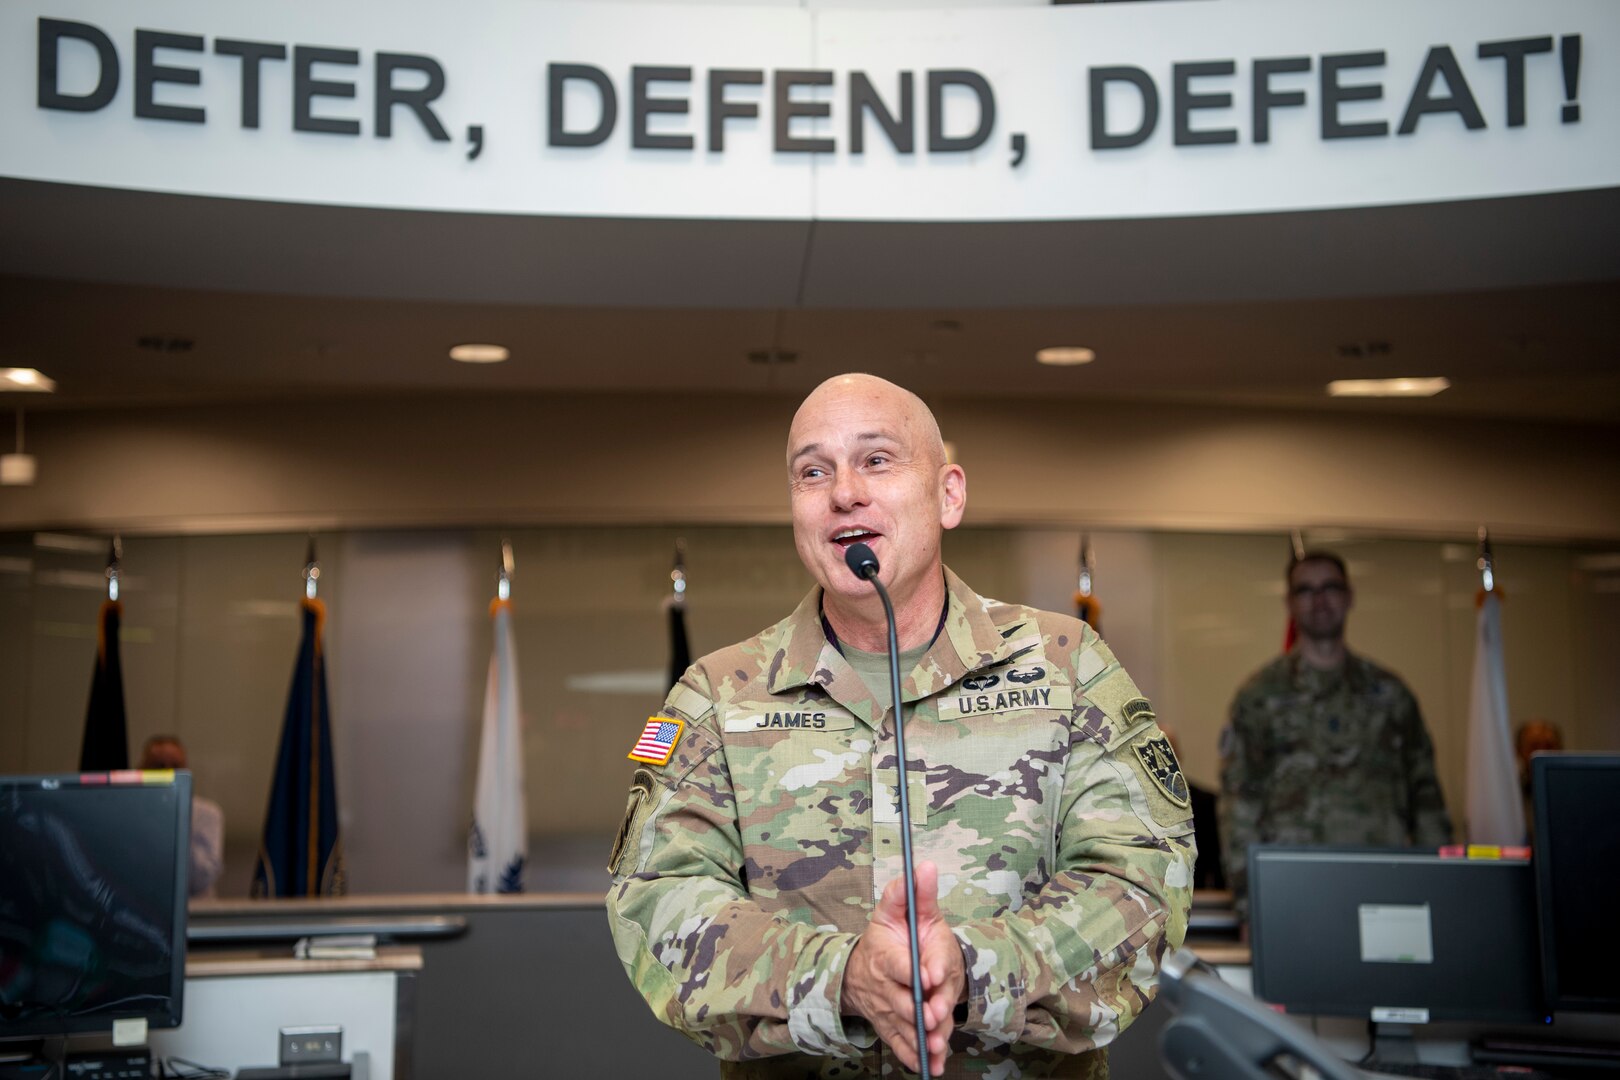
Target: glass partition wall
x=211, y=627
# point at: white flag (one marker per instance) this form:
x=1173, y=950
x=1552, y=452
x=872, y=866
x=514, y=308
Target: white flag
x=499, y=841
x=1495, y=814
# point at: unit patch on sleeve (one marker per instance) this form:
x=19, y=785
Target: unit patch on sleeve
x=657, y=741
x=1159, y=762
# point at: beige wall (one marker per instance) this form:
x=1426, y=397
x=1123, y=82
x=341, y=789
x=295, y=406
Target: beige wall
x=636, y=459
x=211, y=625
x=1189, y=506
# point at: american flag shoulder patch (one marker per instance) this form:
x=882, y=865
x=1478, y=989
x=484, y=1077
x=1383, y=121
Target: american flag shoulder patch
x=657, y=741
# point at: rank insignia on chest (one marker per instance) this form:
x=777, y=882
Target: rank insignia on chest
x=1161, y=764
x=657, y=741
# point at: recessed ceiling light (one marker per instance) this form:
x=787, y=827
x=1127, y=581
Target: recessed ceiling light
x=1408, y=387
x=479, y=354
x=18, y=470
x=26, y=380
x=1065, y=355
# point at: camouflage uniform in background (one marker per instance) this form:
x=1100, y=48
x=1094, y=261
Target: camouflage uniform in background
x=1041, y=786
x=1326, y=757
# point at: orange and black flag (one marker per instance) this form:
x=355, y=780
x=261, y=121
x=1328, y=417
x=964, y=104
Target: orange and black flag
x=1296, y=551
x=301, y=854
x=1087, y=608
x=106, y=734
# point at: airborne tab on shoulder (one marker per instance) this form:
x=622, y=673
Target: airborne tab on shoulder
x=1137, y=710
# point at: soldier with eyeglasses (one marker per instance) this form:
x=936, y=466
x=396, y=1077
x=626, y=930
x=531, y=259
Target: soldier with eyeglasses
x=1324, y=746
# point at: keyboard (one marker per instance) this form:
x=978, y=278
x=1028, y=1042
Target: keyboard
x=110, y=1065
x=1452, y=1072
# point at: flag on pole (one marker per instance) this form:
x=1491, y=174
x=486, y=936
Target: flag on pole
x=1296, y=552
x=1495, y=812
x=302, y=854
x=498, y=843
x=680, y=652
x=1087, y=608
x=106, y=736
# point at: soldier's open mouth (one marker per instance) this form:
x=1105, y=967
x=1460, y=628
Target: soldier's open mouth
x=846, y=538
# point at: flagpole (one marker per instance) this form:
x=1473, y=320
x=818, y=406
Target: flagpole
x=1486, y=561
x=677, y=575
x=680, y=649
x=115, y=558
x=1086, y=606
x=312, y=570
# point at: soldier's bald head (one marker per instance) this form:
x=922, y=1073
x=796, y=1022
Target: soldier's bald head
x=857, y=392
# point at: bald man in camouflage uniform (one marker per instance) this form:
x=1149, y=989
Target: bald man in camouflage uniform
x=1323, y=746
x=756, y=901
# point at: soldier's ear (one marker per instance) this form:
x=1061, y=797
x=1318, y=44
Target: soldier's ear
x=952, y=495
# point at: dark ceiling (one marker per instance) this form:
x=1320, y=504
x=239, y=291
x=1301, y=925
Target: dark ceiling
x=126, y=297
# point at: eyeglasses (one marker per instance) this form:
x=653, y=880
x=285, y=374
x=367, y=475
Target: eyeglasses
x=1327, y=588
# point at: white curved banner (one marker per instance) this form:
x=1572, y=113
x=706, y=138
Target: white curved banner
x=674, y=111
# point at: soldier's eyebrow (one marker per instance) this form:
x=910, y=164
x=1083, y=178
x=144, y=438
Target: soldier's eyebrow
x=863, y=437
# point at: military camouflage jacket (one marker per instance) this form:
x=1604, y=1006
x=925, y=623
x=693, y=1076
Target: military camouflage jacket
x=1326, y=757
x=1041, y=786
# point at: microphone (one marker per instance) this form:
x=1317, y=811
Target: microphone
x=864, y=565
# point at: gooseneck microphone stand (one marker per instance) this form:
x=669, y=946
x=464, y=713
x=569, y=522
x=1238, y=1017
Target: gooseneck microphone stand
x=864, y=565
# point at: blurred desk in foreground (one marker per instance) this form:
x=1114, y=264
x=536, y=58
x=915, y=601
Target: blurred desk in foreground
x=531, y=959
x=237, y=1001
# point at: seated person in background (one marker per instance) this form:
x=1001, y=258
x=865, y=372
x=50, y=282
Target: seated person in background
x=207, y=819
x=1325, y=747
x=1209, y=872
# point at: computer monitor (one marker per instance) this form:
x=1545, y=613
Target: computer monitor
x=1394, y=936
x=92, y=901
x=1577, y=861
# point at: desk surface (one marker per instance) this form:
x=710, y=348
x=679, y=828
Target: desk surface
x=274, y=961
x=1221, y=953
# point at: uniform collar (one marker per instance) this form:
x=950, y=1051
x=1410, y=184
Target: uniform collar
x=1304, y=678
x=802, y=655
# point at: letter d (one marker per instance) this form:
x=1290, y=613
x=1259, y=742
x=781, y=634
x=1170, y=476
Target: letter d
x=1099, y=78
x=51, y=33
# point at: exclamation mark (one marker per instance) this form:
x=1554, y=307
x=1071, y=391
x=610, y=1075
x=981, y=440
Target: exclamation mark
x=1570, y=54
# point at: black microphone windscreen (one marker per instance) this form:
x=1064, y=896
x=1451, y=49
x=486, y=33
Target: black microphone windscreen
x=862, y=563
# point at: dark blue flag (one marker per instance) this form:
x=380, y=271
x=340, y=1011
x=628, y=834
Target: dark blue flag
x=106, y=737
x=301, y=854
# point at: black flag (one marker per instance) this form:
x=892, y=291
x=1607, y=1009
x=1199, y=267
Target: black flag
x=680, y=653
x=106, y=735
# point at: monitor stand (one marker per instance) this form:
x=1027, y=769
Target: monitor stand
x=1394, y=1043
